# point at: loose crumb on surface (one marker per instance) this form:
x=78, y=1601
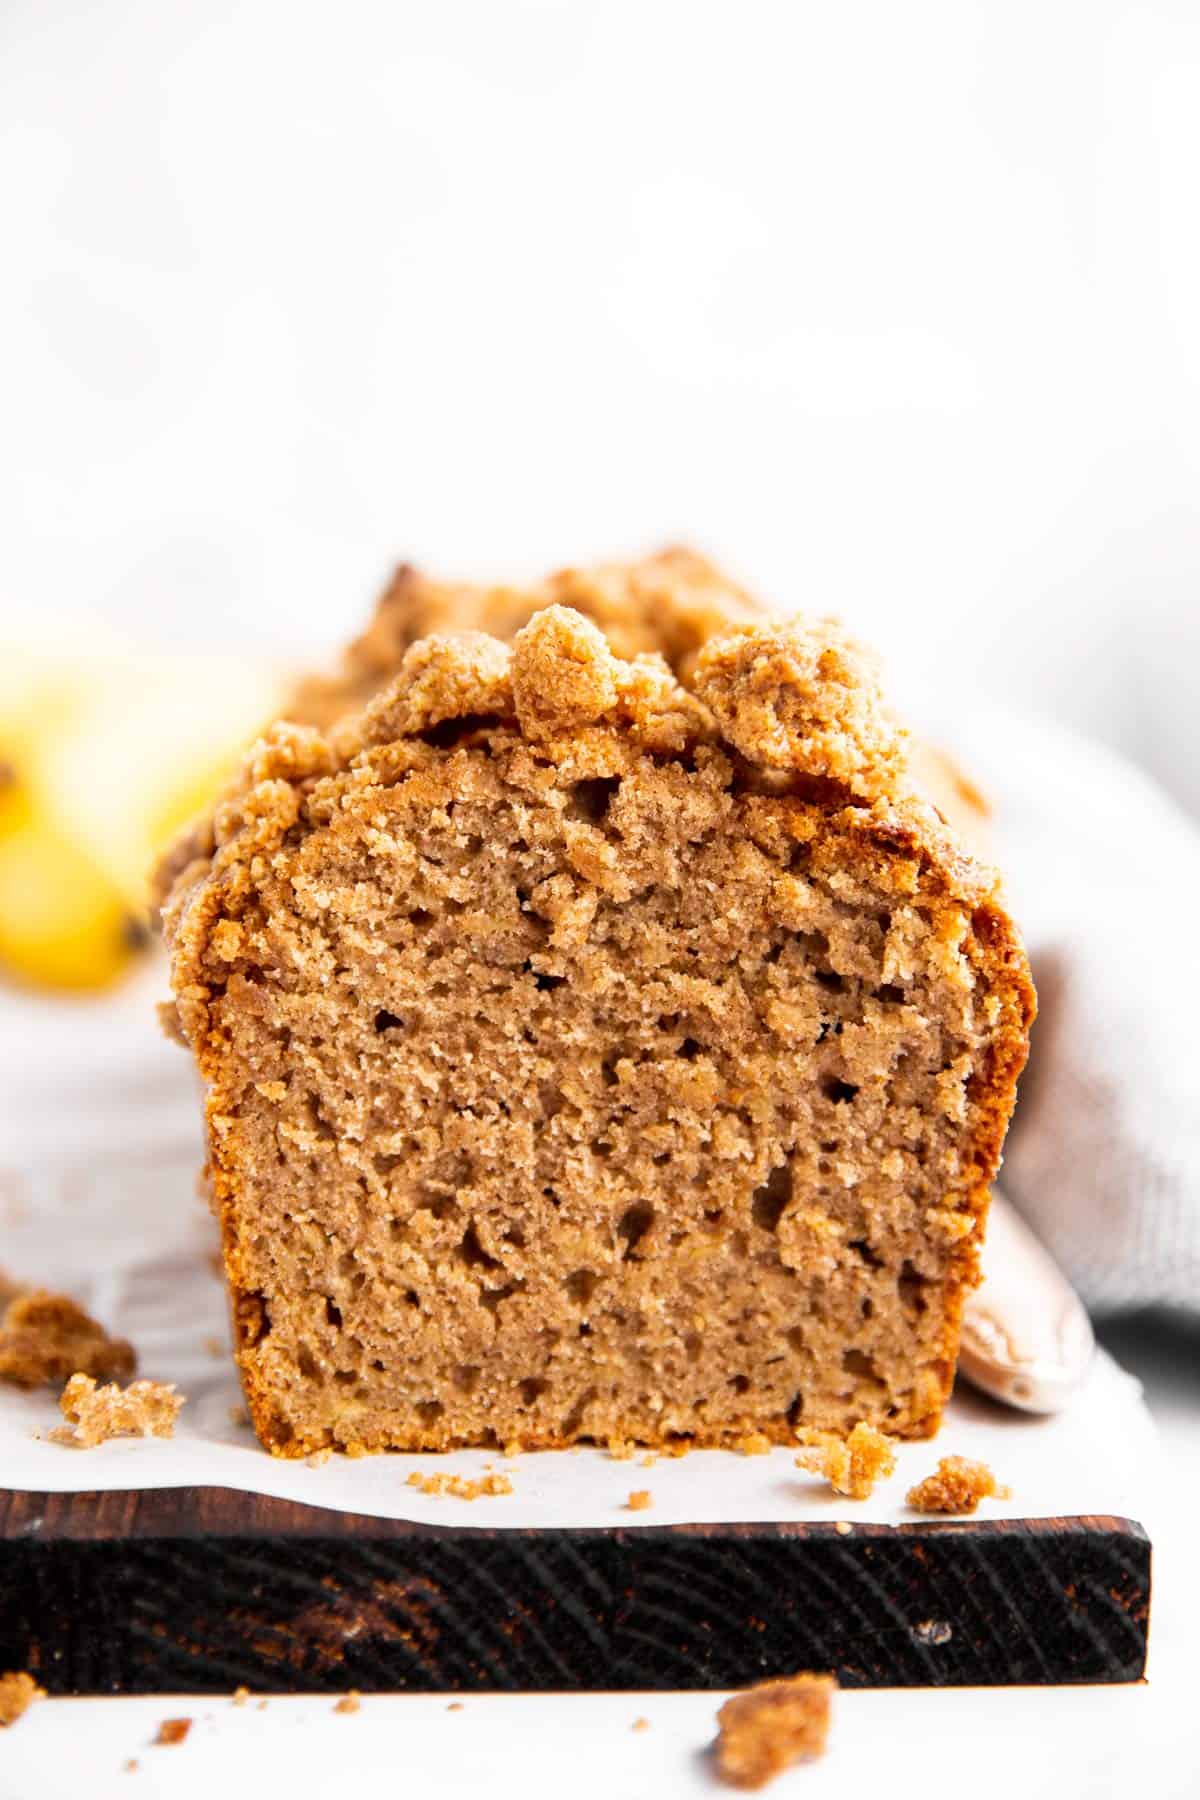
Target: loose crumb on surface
x=640, y=1500
x=18, y=1691
x=262, y=1706
x=455, y=1706
x=648, y=1461
x=764, y=1730
x=621, y=1450
x=130, y=1766
x=349, y=1703
x=173, y=1731
x=640, y=1725
x=318, y=1458
x=461, y=1487
x=843, y=1528
x=95, y=1414
x=957, y=1485
x=45, y=1338
x=240, y=1696
x=852, y=1465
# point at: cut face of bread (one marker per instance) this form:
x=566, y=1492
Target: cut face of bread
x=591, y=1055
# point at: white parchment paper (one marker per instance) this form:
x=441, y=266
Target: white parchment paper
x=99, y=1149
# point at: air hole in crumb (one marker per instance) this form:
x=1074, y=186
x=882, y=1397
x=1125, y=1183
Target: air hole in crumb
x=491, y=1297
x=693, y=1344
x=795, y=1411
x=608, y=1071
x=345, y=1377
x=472, y=1251
x=585, y=1329
x=766, y=1208
x=633, y=1226
x=306, y=1362
x=429, y=1411
x=890, y=994
x=857, y=1362
x=466, y=1377
x=795, y=1338
x=333, y=1314
x=591, y=798
x=836, y=1090
x=740, y=1384
x=575, y=1417
x=714, y=1216
x=868, y=1308
x=912, y=1285
x=411, y=1297
x=829, y=978
x=515, y=1236
x=532, y=1390
x=863, y=1249
x=442, y=1206
x=387, y=1021
x=544, y=983
x=581, y=1285
x=689, y=1049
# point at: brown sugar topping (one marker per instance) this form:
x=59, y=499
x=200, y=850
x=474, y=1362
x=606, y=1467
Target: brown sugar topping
x=95, y=1414
x=565, y=1001
x=852, y=1465
x=45, y=1338
x=957, y=1485
x=769, y=1727
x=18, y=1691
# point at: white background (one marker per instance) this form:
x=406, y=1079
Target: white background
x=895, y=307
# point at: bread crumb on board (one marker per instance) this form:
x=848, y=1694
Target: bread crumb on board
x=763, y=1731
x=640, y=1725
x=18, y=1691
x=851, y=1465
x=640, y=1500
x=240, y=1696
x=461, y=1487
x=957, y=1485
x=45, y=1338
x=95, y=1414
x=349, y=1703
x=173, y=1731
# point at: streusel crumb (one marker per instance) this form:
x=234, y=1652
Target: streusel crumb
x=45, y=1338
x=18, y=1691
x=95, y=1414
x=852, y=1465
x=957, y=1485
x=769, y=1727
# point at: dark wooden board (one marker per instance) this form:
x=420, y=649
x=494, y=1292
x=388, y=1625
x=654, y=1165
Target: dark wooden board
x=198, y=1590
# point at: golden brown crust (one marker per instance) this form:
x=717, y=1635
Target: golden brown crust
x=811, y=779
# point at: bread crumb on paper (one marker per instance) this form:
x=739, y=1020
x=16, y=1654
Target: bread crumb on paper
x=173, y=1731
x=640, y=1500
x=95, y=1414
x=852, y=1465
x=240, y=1696
x=640, y=1725
x=45, y=1338
x=764, y=1730
x=956, y=1486
x=18, y=1691
x=349, y=1703
x=460, y=1487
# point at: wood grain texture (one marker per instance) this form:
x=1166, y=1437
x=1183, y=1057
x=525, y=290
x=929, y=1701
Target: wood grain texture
x=197, y=1590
